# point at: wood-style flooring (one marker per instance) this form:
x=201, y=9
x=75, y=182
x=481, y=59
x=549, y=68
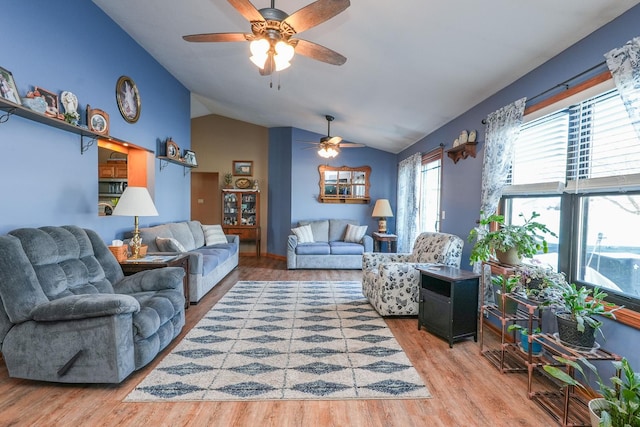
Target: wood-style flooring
x=467, y=390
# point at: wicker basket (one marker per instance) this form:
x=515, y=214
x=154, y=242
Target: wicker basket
x=120, y=252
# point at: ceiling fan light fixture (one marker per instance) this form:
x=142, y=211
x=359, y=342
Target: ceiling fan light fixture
x=327, y=151
x=259, y=52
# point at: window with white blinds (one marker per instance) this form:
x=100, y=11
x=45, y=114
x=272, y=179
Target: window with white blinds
x=603, y=151
x=589, y=146
x=540, y=153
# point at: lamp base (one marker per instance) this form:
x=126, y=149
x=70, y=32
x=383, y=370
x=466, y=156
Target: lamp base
x=382, y=225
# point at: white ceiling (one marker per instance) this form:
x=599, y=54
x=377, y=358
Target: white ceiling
x=412, y=65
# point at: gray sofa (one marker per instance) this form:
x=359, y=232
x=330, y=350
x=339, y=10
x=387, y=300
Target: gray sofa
x=68, y=314
x=207, y=264
x=328, y=249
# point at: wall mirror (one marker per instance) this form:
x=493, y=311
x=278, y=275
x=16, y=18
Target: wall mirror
x=344, y=184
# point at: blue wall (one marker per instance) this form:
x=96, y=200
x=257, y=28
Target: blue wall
x=74, y=46
x=461, y=182
x=293, y=163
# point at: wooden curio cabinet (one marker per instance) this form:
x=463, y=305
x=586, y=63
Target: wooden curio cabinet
x=241, y=215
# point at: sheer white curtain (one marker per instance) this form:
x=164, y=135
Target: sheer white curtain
x=624, y=64
x=408, y=202
x=502, y=130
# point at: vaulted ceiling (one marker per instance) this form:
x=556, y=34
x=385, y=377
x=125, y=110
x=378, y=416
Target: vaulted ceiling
x=412, y=65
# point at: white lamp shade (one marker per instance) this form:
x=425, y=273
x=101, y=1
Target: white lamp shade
x=135, y=201
x=382, y=209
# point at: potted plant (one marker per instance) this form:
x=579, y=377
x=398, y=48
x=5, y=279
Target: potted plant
x=620, y=402
x=576, y=324
x=536, y=347
x=506, y=285
x=511, y=241
x=228, y=180
x=541, y=283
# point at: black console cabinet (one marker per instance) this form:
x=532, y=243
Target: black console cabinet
x=448, y=304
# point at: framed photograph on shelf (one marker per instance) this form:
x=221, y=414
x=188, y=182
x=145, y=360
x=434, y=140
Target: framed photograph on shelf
x=128, y=99
x=8, y=88
x=97, y=121
x=172, y=150
x=243, y=167
x=190, y=157
x=51, y=99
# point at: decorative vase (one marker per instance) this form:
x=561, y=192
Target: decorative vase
x=595, y=406
x=510, y=257
x=569, y=334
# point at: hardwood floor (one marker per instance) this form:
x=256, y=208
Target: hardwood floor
x=467, y=390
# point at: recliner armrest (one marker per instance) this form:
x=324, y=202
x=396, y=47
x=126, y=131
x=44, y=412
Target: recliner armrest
x=157, y=279
x=76, y=307
x=371, y=260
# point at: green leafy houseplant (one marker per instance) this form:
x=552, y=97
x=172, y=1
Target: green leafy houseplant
x=621, y=399
x=526, y=239
x=580, y=304
x=228, y=179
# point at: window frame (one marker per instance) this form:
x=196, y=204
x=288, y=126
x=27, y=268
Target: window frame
x=570, y=202
x=432, y=156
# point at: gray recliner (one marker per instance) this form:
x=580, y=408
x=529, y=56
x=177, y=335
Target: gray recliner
x=68, y=313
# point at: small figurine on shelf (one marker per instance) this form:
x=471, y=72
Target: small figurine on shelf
x=255, y=185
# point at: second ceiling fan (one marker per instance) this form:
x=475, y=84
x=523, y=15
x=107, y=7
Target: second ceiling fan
x=329, y=146
x=272, y=33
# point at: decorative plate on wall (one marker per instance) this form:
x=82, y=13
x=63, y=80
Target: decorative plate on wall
x=128, y=99
x=243, y=183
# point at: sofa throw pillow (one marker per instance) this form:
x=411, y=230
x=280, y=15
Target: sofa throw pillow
x=304, y=233
x=214, y=235
x=355, y=233
x=169, y=244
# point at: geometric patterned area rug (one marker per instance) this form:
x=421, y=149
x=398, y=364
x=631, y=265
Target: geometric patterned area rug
x=286, y=341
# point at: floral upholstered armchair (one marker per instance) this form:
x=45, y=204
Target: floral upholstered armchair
x=391, y=282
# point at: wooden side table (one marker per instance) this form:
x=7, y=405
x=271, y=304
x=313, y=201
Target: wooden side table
x=150, y=262
x=448, y=304
x=390, y=239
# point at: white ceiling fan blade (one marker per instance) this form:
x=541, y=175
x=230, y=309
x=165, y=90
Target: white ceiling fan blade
x=351, y=145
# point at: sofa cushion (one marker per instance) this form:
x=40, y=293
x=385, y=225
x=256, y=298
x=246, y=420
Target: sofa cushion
x=355, y=233
x=319, y=228
x=214, y=235
x=169, y=244
x=182, y=233
x=338, y=228
x=197, y=232
x=303, y=233
x=344, y=248
x=317, y=248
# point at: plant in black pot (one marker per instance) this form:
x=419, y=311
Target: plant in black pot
x=620, y=401
x=509, y=243
x=576, y=325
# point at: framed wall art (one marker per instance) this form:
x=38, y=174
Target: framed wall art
x=8, y=88
x=97, y=121
x=190, y=157
x=51, y=99
x=243, y=167
x=128, y=99
x=172, y=150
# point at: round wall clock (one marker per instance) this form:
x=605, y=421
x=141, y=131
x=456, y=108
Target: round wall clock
x=128, y=99
x=173, y=151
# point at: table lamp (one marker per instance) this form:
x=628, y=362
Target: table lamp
x=135, y=202
x=382, y=210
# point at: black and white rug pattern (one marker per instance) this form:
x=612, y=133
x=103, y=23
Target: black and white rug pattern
x=286, y=340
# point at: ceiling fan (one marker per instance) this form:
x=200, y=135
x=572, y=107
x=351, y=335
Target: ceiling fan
x=272, y=33
x=329, y=146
